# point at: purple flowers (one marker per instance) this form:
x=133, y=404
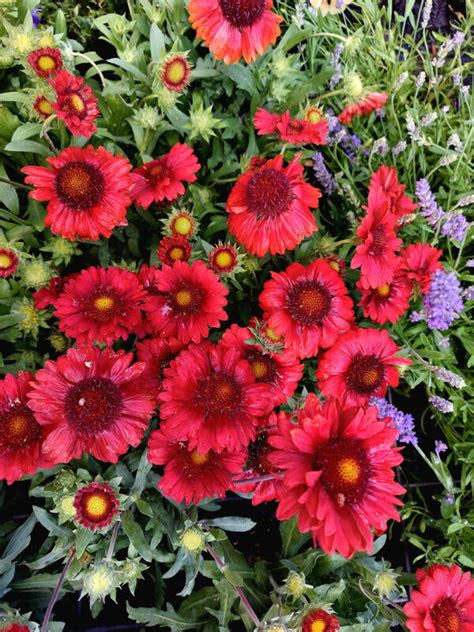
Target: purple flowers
x=323, y=175
x=403, y=422
x=429, y=208
x=35, y=17
x=441, y=404
x=440, y=446
x=455, y=226
x=335, y=62
x=443, y=301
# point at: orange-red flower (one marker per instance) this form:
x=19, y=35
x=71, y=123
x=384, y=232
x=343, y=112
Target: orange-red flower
x=96, y=505
x=318, y=620
x=8, y=262
x=46, y=62
x=292, y=130
x=176, y=73
x=387, y=302
x=75, y=104
x=174, y=248
x=364, y=106
x=420, y=261
x=43, y=107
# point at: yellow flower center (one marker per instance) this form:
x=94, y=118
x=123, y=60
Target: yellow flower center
x=271, y=335
x=184, y=298
x=259, y=369
x=45, y=107
x=199, y=459
x=176, y=71
x=104, y=303
x=318, y=626
x=5, y=261
x=176, y=253
x=384, y=290
x=96, y=506
x=46, y=63
x=349, y=470
x=314, y=115
x=192, y=540
x=183, y=226
x=224, y=259
x=76, y=103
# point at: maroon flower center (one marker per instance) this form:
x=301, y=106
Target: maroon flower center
x=186, y=300
x=18, y=427
x=93, y=405
x=345, y=470
x=379, y=242
x=192, y=463
x=242, y=13
x=219, y=394
x=366, y=373
x=269, y=193
x=156, y=171
x=80, y=185
x=258, y=455
x=102, y=306
x=308, y=302
x=446, y=616
x=295, y=126
x=263, y=366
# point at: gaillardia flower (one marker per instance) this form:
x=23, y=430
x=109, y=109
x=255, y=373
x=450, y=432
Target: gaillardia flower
x=269, y=207
x=156, y=353
x=87, y=191
x=235, y=28
x=43, y=107
x=176, y=73
x=96, y=505
x=363, y=106
x=420, y=262
x=387, y=302
x=8, y=262
x=174, y=248
x=318, y=620
x=292, y=130
x=223, y=258
x=75, y=104
x=46, y=62
x=92, y=401
x=385, y=187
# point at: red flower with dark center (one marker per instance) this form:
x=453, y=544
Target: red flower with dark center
x=75, y=104
x=363, y=107
x=235, y=28
x=100, y=304
x=281, y=371
x=420, y=261
x=46, y=62
x=361, y=364
x=157, y=354
x=16, y=627
x=174, y=248
x=387, y=302
x=95, y=505
x=269, y=207
x=87, y=191
x=162, y=179
x=444, y=601
x=210, y=398
x=176, y=73
x=189, y=299
x=337, y=264
x=338, y=474
x=308, y=305
x=93, y=401
x=292, y=130
x=43, y=107
x=8, y=262
x=223, y=259
x=385, y=187
x=21, y=436
x=48, y=295
x=318, y=620
x=189, y=475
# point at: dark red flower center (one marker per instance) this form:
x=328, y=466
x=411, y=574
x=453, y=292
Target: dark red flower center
x=295, y=126
x=18, y=427
x=345, y=470
x=93, y=405
x=186, y=300
x=269, y=193
x=192, y=463
x=379, y=243
x=80, y=185
x=97, y=505
x=242, y=13
x=366, y=373
x=308, y=302
x=258, y=455
x=157, y=171
x=102, y=306
x=446, y=616
x=263, y=366
x=74, y=104
x=219, y=394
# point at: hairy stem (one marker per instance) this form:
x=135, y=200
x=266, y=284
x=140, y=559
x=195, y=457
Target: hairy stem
x=57, y=590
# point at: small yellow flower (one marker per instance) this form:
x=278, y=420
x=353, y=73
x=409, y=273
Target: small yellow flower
x=21, y=43
x=193, y=540
x=385, y=582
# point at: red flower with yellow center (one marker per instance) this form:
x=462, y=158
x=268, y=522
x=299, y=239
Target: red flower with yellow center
x=183, y=224
x=95, y=505
x=8, y=262
x=292, y=130
x=176, y=73
x=43, y=107
x=174, y=248
x=420, y=261
x=363, y=107
x=46, y=62
x=318, y=620
x=387, y=302
x=75, y=104
x=223, y=258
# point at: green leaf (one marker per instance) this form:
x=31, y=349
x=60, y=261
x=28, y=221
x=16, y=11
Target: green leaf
x=242, y=77
x=83, y=538
x=157, y=42
x=232, y=523
x=196, y=604
x=27, y=147
x=168, y=618
x=47, y=521
x=19, y=541
x=233, y=577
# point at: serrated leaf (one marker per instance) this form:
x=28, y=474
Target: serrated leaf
x=168, y=618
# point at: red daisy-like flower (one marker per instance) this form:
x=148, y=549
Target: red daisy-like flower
x=8, y=262
x=162, y=179
x=235, y=28
x=156, y=354
x=364, y=106
x=223, y=259
x=43, y=107
x=15, y=627
x=183, y=224
x=338, y=474
x=376, y=255
x=176, y=73
x=100, y=305
x=318, y=620
x=94, y=402
x=76, y=104
x=308, y=305
x=87, y=191
x=21, y=436
x=48, y=295
x=269, y=207
x=96, y=505
x=337, y=264
x=387, y=302
x=292, y=130
x=384, y=186
x=444, y=601
x=174, y=248
x=280, y=371
x=190, y=475
x=46, y=62
x=210, y=398
x=360, y=365
x=420, y=261
x=188, y=301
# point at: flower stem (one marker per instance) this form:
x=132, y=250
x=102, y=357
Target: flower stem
x=255, y=479
x=17, y=185
x=113, y=540
x=57, y=590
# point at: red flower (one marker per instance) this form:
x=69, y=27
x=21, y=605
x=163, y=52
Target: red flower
x=223, y=258
x=210, y=398
x=339, y=479
x=190, y=475
x=8, y=262
x=100, y=304
x=376, y=255
x=235, y=28
x=43, y=107
x=48, y=295
x=443, y=602
x=292, y=130
x=318, y=620
x=364, y=106
x=174, y=248
x=384, y=186
x=93, y=401
x=269, y=207
x=176, y=73
x=16, y=627
x=280, y=371
x=420, y=262
x=360, y=365
x=309, y=306
x=188, y=300
x=156, y=353
x=162, y=179
x=387, y=302
x=21, y=436
x=87, y=191
x=46, y=62
x=75, y=104
x=96, y=505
